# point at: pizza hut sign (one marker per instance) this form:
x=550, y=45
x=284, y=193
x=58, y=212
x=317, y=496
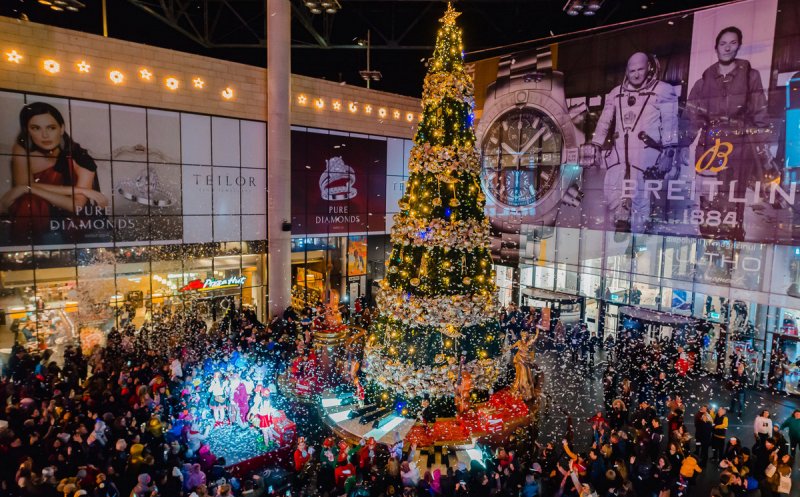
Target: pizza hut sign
x=214, y=284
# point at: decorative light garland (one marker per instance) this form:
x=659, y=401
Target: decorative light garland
x=116, y=76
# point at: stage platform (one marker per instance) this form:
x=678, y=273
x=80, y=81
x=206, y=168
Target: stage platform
x=500, y=415
x=338, y=409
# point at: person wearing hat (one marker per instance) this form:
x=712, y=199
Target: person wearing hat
x=104, y=488
x=143, y=486
x=344, y=470
x=302, y=455
x=343, y=452
x=532, y=485
x=368, y=455
x=262, y=413
x=327, y=456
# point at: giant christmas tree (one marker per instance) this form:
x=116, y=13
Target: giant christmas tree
x=437, y=329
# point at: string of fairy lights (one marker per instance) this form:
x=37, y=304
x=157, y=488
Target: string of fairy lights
x=118, y=77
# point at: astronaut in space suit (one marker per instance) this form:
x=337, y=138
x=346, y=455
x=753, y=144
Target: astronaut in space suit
x=640, y=122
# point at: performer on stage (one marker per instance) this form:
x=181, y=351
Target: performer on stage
x=425, y=415
x=523, y=361
x=360, y=393
x=261, y=415
x=463, y=389
x=239, y=400
x=218, y=391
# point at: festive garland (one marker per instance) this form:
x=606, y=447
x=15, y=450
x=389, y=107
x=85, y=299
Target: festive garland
x=436, y=380
x=466, y=235
x=441, y=85
x=443, y=160
x=443, y=311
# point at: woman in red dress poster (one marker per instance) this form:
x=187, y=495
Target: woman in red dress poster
x=53, y=178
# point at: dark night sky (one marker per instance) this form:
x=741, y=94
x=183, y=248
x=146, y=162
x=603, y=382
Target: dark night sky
x=394, y=25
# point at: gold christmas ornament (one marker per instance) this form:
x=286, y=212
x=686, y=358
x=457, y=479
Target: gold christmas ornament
x=467, y=280
x=414, y=281
x=454, y=202
x=437, y=202
x=451, y=331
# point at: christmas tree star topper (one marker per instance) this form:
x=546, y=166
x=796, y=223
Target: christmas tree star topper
x=450, y=15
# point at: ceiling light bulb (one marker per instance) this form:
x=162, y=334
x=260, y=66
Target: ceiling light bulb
x=56, y=8
x=315, y=10
x=325, y=4
x=331, y=10
x=311, y=4
x=588, y=12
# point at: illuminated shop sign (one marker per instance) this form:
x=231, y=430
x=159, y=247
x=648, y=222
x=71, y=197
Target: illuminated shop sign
x=214, y=284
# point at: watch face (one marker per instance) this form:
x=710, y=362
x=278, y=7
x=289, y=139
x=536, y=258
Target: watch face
x=521, y=157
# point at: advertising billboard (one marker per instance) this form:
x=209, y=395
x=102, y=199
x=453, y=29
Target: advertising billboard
x=338, y=183
x=676, y=127
x=74, y=172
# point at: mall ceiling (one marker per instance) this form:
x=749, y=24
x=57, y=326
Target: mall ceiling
x=326, y=45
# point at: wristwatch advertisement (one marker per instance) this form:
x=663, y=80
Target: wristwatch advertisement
x=530, y=150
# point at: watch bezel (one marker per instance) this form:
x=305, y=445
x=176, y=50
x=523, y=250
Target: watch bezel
x=519, y=99
x=497, y=121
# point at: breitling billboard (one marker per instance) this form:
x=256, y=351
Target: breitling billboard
x=685, y=126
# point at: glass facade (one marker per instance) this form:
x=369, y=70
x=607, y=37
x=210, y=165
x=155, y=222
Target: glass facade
x=749, y=290
x=176, y=219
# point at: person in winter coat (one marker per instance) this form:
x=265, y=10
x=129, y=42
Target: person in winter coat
x=143, y=486
x=689, y=470
x=719, y=420
x=105, y=488
x=793, y=425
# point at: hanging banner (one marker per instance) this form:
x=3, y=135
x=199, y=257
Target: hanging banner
x=338, y=184
x=681, y=127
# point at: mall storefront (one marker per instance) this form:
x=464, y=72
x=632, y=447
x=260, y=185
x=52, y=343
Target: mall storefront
x=742, y=293
x=345, y=188
x=53, y=297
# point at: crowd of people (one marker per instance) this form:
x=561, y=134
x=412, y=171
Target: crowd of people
x=132, y=418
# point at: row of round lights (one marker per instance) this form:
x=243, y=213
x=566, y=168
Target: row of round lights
x=60, y=5
x=319, y=103
x=117, y=77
